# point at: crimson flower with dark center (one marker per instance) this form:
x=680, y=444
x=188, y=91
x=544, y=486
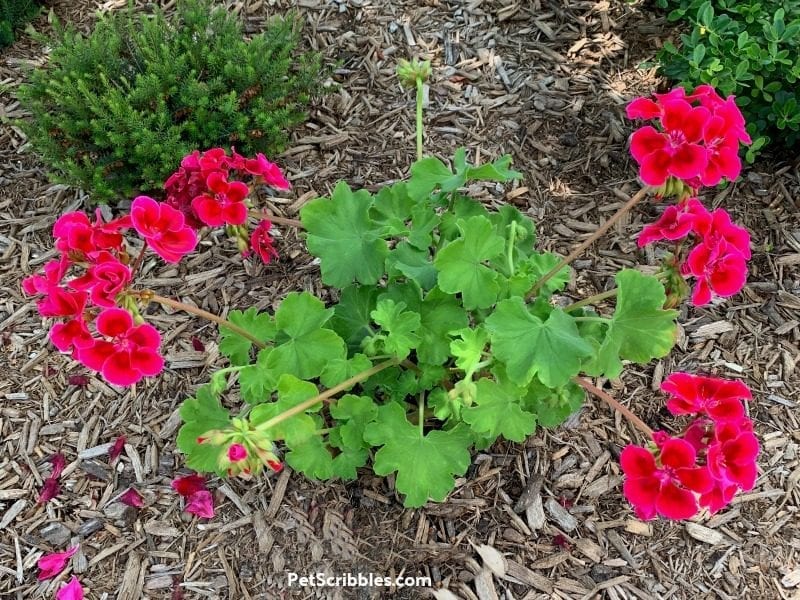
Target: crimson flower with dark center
x=666, y=490
x=720, y=270
x=163, y=228
x=676, y=151
x=720, y=399
x=131, y=353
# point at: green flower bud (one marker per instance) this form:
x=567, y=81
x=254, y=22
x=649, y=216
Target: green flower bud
x=409, y=71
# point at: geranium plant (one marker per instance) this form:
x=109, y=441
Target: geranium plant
x=447, y=332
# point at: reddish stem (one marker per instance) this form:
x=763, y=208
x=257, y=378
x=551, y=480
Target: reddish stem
x=608, y=399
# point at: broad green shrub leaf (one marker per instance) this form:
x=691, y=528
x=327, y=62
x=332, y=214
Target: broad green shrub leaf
x=426, y=465
x=312, y=458
x=391, y=210
x=303, y=347
x=400, y=326
x=297, y=428
x=539, y=264
x=640, y=329
x=201, y=414
x=236, y=347
x=342, y=234
x=499, y=170
x=429, y=173
x=441, y=313
x=468, y=350
x=347, y=461
x=498, y=411
x=354, y=414
x=341, y=369
x=551, y=349
x=463, y=208
x=461, y=263
x=351, y=318
x=553, y=406
x=407, y=261
x=258, y=381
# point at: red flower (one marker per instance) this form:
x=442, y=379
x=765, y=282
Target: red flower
x=163, y=227
x=105, y=279
x=720, y=399
x=717, y=225
x=132, y=352
x=675, y=223
x=51, y=565
x=268, y=171
x=224, y=204
x=676, y=151
x=237, y=453
x=71, y=335
x=719, y=268
x=261, y=242
x=75, y=234
x=71, y=591
x=733, y=461
x=666, y=490
x=189, y=484
x=58, y=301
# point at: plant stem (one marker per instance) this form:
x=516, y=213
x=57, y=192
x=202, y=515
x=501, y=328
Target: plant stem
x=306, y=404
x=596, y=319
x=138, y=262
x=151, y=297
x=592, y=299
x=635, y=199
x=420, y=94
x=624, y=411
x=421, y=414
x=510, y=252
x=281, y=220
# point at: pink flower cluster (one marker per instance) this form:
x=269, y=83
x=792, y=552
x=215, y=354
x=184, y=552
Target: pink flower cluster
x=707, y=464
x=204, y=190
x=718, y=261
x=118, y=348
x=696, y=138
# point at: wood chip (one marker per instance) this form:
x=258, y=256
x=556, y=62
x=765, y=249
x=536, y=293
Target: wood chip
x=704, y=534
x=560, y=515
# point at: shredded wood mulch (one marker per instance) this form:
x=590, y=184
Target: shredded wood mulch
x=543, y=80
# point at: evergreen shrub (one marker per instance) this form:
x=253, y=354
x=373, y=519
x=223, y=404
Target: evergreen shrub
x=116, y=111
x=14, y=13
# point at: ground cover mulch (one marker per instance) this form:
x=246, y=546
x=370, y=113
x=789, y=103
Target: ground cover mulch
x=544, y=81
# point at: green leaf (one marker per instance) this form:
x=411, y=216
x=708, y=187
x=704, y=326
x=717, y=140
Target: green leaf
x=305, y=346
x=429, y=173
x=405, y=260
x=342, y=234
x=257, y=382
x=351, y=318
x=391, y=209
x=495, y=171
x=468, y=351
x=354, y=413
x=341, y=369
x=463, y=208
x=425, y=464
x=540, y=264
x=297, y=428
x=553, y=406
x=497, y=411
x=424, y=221
x=551, y=349
x=312, y=458
x=640, y=329
x=401, y=326
x=201, y=414
x=441, y=313
x=347, y=461
x=236, y=347
x=460, y=263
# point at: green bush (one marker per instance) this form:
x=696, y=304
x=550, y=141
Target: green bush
x=116, y=111
x=14, y=13
x=750, y=49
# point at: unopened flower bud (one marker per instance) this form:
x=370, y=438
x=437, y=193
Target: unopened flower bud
x=409, y=71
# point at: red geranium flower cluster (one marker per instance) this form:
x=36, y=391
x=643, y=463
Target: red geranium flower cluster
x=696, y=138
x=123, y=352
x=707, y=464
x=719, y=259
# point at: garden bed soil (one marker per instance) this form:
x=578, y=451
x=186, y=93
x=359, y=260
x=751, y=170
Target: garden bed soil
x=544, y=81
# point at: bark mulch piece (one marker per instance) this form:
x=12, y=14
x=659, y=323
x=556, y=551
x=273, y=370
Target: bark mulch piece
x=546, y=81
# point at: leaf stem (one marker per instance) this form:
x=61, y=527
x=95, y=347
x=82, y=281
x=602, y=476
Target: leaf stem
x=608, y=399
x=634, y=200
x=592, y=299
x=280, y=220
x=421, y=414
x=306, y=404
x=512, y=238
x=149, y=296
x=420, y=94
